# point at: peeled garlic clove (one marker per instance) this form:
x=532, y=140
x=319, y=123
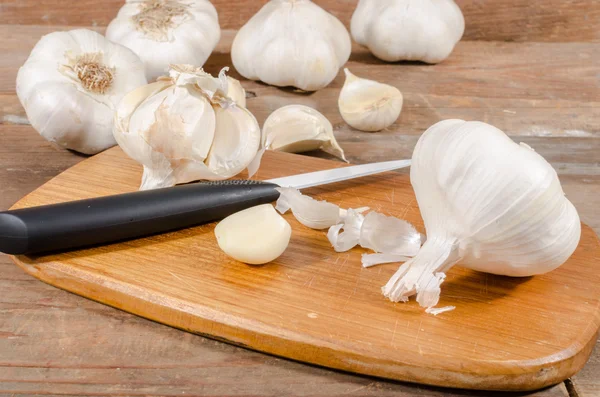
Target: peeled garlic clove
x=396, y=30
x=308, y=211
x=71, y=84
x=164, y=32
x=299, y=128
x=349, y=238
x=236, y=92
x=368, y=105
x=291, y=43
x=255, y=236
x=185, y=128
x=389, y=235
x=488, y=203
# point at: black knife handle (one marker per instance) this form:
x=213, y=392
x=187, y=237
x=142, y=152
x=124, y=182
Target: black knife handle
x=75, y=224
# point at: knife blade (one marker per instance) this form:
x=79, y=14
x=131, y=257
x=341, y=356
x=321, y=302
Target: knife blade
x=104, y=220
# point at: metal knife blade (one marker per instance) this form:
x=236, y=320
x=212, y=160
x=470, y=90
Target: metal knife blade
x=303, y=181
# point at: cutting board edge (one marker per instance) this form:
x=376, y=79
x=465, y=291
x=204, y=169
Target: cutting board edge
x=535, y=375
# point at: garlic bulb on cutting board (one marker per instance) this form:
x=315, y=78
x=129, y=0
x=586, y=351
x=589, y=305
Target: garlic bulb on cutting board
x=489, y=204
x=291, y=43
x=299, y=128
x=368, y=105
x=164, y=32
x=70, y=86
x=185, y=128
x=412, y=30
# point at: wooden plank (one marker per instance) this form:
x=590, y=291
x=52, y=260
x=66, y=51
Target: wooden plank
x=504, y=20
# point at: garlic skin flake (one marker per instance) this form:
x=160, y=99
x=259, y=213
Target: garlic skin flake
x=408, y=30
x=299, y=128
x=184, y=128
x=164, y=32
x=308, y=211
x=71, y=84
x=255, y=235
x=236, y=92
x=488, y=203
x=368, y=105
x=291, y=43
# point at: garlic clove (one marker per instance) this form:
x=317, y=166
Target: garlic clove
x=389, y=235
x=255, y=236
x=299, y=128
x=236, y=142
x=368, y=105
x=236, y=92
x=308, y=211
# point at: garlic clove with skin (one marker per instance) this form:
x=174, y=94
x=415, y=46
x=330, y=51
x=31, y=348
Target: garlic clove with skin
x=488, y=203
x=291, y=43
x=165, y=32
x=368, y=105
x=299, y=128
x=71, y=84
x=255, y=236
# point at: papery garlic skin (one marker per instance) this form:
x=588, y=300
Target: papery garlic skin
x=488, y=203
x=236, y=92
x=185, y=128
x=71, y=84
x=368, y=105
x=299, y=128
x=164, y=32
x=291, y=43
x=411, y=30
x=256, y=236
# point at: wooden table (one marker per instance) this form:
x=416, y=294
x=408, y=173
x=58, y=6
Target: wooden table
x=530, y=68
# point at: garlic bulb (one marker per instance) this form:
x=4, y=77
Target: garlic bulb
x=298, y=128
x=413, y=30
x=255, y=236
x=236, y=92
x=488, y=203
x=71, y=84
x=164, y=32
x=291, y=43
x=368, y=105
x=184, y=128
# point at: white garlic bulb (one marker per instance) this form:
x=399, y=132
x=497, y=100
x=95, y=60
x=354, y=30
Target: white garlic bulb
x=291, y=43
x=488, y=203
x=236, y=91
x=299, y=128
x=70, y=86
x=164, y=32
x=255, y=235
x=368, y=105
x=184, y=128
x=413, y=30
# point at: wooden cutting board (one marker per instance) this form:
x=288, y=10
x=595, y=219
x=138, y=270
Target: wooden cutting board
x=322, y=307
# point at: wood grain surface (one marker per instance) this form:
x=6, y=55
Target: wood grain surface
x=43, y=331
x=505, y=20
x=322, y=307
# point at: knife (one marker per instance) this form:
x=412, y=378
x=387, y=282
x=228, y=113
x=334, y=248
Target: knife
x=83, y=223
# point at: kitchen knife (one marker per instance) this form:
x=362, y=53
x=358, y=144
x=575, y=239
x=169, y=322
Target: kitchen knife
x=102, y=220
